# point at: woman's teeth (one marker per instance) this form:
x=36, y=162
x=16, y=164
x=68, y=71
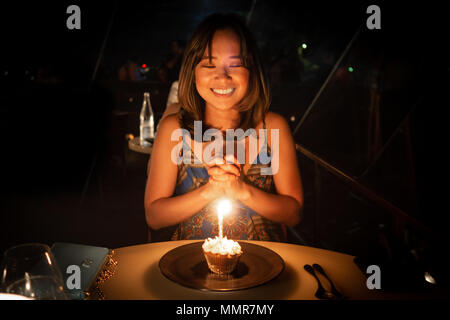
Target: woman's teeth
x=223, y=91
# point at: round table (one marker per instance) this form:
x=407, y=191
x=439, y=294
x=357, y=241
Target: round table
x=138, y=277
x=134, y=144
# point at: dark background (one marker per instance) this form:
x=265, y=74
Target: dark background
x=67, y=173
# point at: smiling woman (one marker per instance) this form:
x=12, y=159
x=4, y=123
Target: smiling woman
x=221, y=79
x=223, y=86
x=223, y=55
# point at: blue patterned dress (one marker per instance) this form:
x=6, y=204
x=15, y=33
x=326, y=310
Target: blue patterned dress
x=242, y=223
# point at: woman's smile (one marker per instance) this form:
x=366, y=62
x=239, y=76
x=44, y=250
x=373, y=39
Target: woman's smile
x=223, y=92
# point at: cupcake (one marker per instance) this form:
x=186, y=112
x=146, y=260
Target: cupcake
x=222, y=255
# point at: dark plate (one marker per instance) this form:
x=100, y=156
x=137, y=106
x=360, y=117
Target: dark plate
x=187, y=266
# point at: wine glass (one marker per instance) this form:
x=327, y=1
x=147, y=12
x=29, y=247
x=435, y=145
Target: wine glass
x=31, y=270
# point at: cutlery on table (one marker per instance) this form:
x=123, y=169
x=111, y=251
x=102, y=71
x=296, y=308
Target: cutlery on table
x=321, y=293
x=318, y=268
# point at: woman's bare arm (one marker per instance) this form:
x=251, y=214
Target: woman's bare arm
x=162, y=209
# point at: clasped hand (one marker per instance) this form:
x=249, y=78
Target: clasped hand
x=225, y=179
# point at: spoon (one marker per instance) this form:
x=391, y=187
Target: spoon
x=321, y=293
x=333, y=288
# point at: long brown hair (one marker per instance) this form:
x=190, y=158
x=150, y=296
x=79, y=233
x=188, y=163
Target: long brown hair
x=257, y=100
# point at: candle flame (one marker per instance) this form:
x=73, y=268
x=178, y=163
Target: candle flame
x=224, y=207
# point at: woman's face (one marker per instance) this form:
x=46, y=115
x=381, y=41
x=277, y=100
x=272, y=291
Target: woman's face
x=223, y=82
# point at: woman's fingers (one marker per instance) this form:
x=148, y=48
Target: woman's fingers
x=219, y=174
x=224, y=168
x=228, y=159
x=231, y=168
x=215, y=161
x=216, y=171
x=231, y=159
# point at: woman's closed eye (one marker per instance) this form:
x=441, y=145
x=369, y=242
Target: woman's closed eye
x=234, y=65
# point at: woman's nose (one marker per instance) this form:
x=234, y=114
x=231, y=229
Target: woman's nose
x=222, y=73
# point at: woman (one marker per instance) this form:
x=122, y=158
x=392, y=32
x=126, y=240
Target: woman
x=222, y=84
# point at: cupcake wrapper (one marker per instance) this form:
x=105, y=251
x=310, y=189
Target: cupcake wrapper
x=221, y=264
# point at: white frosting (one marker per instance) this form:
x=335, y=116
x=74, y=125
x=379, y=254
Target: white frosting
x=222, y=246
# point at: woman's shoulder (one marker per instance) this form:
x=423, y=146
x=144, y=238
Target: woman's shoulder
x=275, y=121
x=169, y=122
x=167, y=127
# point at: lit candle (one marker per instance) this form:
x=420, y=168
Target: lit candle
x=223, y=207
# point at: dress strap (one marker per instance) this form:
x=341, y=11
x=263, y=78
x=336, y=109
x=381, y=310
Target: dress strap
x=265, y=133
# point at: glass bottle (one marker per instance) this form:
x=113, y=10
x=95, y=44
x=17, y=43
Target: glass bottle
x=147, y=122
